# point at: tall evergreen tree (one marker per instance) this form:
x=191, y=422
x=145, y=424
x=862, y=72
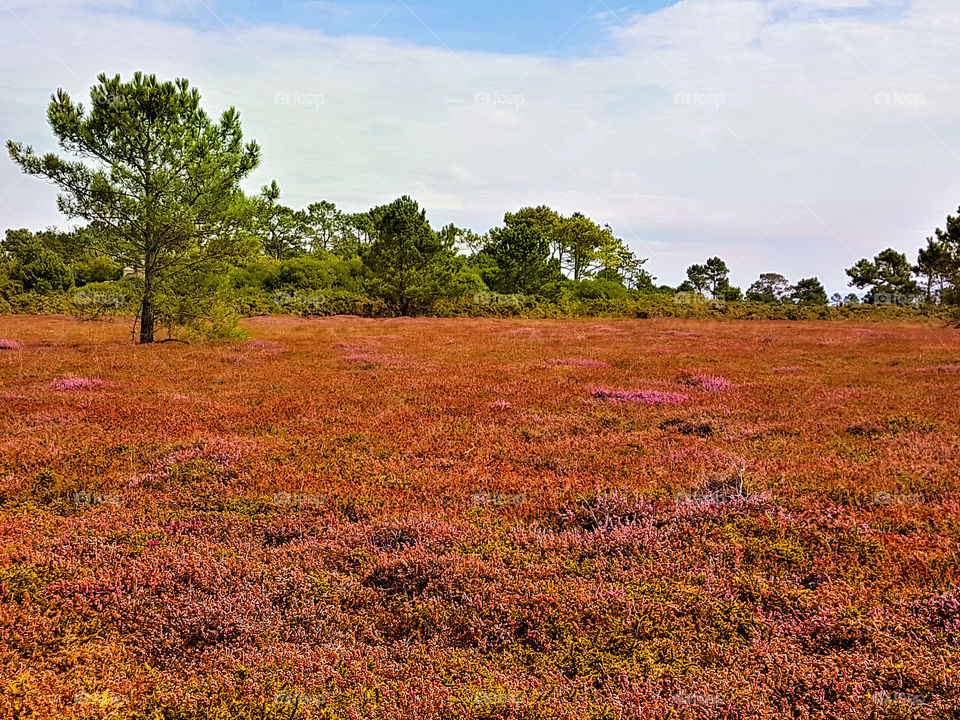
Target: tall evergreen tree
x=890, y=273
x=407, y=258
x=154, y=172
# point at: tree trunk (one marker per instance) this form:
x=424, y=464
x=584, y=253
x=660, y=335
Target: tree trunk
x=147, y=318
x=148, y=310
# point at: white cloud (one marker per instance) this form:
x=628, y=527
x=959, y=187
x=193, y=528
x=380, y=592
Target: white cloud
x=775, y=134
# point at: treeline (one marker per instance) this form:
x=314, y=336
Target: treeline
x=390, y=260
x=170, y=237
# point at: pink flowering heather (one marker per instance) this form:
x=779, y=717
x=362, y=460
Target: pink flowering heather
x=281, y=555
x=10, y=344
x=216, y=450
x=943, y=369
x=711, y=383
x=579, y=362
x=221, y=453
x=645, y=397
x=355, y=354
x=76, y=383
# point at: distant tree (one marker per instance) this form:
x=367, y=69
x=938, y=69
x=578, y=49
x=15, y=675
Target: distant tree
x=96, y=268
x=769, y=288
x=282, y=230
x=164, y=183
x=939, y=262
x=323, y=225
x=407, y=259
x=546, y=224
x=836, y=299
x=851, y=299
x=459, y=238
x=16, y=241
x=519, y=254
x=34, y=266
x=936, y=265
x=76, y=249
x=729, y=293
x=619, y=264
x=718, y=275
x=362, y=227
x=698, y=278
x=890, y=272
x=581, y=238
x=808, y=291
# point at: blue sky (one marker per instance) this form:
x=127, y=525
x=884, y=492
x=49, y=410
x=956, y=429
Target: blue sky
x=558, y=27
x=791, y=136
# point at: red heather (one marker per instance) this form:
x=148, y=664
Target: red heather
x=76, y=383
x=711, y=383
x=438, y=559
x=943, y=369
x=645, y=397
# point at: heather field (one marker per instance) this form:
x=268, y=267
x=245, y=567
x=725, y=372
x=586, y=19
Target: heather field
x=424, y=518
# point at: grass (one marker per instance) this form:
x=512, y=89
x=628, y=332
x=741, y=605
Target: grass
x=426, y=518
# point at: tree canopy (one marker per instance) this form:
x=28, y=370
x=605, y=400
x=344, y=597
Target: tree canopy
x=152, y=171
x=156, y=183
x=889, y=274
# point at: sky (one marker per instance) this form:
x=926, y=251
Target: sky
x=790, y=136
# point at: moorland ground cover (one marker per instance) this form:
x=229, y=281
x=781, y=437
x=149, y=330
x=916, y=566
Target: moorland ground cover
x=427, y=518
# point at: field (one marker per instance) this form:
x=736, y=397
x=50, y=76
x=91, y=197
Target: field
x=422, y=518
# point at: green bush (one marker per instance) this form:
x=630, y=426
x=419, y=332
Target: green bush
x=253, y=276
x=95, y=269
x=41, y=270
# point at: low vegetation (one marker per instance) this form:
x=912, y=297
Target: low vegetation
x=430, y=518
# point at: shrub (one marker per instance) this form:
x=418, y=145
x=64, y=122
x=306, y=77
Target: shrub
x=41, y=270
x=95, y=269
